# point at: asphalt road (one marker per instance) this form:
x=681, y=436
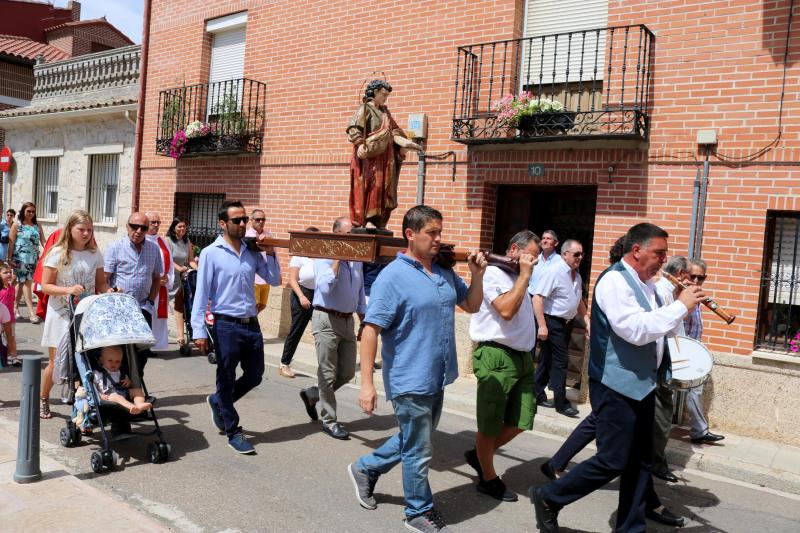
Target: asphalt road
x=298, y=482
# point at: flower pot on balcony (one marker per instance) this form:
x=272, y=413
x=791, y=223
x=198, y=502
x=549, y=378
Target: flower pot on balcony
x=546, y=124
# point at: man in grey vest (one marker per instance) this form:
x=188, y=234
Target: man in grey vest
x=627, y=357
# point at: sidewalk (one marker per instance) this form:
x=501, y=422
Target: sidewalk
x=60, y=501
x=760, y=462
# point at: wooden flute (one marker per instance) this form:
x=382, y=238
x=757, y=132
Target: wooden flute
x=708, y=302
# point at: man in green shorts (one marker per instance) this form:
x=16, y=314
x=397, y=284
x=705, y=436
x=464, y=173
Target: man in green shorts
x=502, y=362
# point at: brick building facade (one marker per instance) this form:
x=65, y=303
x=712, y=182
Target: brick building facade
x=726, y=66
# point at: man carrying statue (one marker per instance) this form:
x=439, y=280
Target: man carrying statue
x=379, y=147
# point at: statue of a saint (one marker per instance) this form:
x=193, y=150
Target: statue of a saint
x=379, y=147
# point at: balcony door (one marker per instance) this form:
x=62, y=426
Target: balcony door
x=225, y=84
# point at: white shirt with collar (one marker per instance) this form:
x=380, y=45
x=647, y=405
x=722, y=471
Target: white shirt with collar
x=630, y=320
x=542, y=266
x=562, y=294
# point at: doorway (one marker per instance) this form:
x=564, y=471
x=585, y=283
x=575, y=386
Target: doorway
x=569, y=211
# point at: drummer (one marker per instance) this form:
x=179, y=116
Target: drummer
x=677, y=266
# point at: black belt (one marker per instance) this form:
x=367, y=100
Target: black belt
x=493, y=344
x=558, y=319
x=246, y=321
x=333, y=312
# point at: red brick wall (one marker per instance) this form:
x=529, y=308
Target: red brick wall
x=717, y=65
x=77, y=40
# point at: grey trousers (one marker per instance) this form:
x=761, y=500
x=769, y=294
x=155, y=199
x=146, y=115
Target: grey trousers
x=335, y=340
x=662, y=427
x=694, y=404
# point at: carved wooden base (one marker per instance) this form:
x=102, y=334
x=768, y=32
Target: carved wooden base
x=366, y=247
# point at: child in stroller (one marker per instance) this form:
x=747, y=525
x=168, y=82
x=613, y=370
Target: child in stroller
x=113, y=385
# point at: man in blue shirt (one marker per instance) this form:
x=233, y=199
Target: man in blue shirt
x=547, y=258
x=338, y=293
x=226, y=276
x=412, y=307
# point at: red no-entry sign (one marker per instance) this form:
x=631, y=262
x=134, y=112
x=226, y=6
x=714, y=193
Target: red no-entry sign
x=5, y=159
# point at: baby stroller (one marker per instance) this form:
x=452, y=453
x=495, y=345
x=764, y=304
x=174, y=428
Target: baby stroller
x=189, y=281
x=112, y=319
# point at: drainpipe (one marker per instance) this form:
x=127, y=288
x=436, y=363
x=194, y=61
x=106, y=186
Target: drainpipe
x=421, y=178
x=137, y=150
x=695, y=200
x=701, y=208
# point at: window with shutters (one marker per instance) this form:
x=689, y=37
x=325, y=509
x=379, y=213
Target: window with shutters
x=103, y=187
x=46, y=186
x=779, y=301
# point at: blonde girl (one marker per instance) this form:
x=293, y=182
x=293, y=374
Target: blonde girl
x=73, y=268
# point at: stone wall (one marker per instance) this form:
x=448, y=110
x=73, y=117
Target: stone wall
x=73, y=136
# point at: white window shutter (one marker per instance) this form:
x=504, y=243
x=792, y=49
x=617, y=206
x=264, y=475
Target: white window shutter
x=227, y=55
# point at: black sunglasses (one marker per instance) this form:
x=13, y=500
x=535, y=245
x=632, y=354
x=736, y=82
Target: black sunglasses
x=142, y=227
x=238, y=220
x=576, y=254
x=259, y=219
x=697, y=277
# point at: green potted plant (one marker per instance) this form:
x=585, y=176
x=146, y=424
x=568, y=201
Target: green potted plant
x=533, y=116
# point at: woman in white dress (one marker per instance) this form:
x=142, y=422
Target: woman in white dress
x=73, y=268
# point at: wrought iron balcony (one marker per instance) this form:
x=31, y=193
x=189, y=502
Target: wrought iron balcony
x=220, y=118
x=578, y=85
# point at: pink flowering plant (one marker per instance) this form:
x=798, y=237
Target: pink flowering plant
x=511, y=109
x=198, y=129
x=178, y=145
x=794, y=344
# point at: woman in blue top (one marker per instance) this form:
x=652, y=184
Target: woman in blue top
x=5, y=231
x=23, y=248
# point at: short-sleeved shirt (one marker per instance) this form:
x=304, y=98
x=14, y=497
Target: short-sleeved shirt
x=542, y=265
x=562, y=294
x=487, y=324
x=132, y=270
x=416, y=312
x=81, y=270
x=306, y=266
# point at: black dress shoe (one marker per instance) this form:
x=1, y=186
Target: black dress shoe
x=336, y=431
x=666, y=475
x=496, y=489
x=471, y=457
x=547, y=470
x=708, y=438
x=568, y=411
x=546, y=518
x=310, y=405
x=665, y=517
x=546, y=403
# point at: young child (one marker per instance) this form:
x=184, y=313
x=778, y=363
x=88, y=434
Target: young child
x=8, y=352
x=113, y=386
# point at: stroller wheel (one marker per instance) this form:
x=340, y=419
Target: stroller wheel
x=153, y=453
x=109, y=459
x=164, y=450
x=97, y=462
x=212, y=358
x=65, y=437
x=75, y=433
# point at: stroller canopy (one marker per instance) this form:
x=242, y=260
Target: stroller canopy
x=111, y=319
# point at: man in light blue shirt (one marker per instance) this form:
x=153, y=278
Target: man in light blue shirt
x=226, y=276
x=338, y=293
x=547, y=258
x=412, y=306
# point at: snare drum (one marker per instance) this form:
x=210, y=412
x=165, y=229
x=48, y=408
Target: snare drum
x=691, y=362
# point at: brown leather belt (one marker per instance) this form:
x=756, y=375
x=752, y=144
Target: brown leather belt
x=333, y=312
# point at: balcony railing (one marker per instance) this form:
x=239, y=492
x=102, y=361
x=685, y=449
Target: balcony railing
x=104, y=70
x=220, y=118
x=601, y=78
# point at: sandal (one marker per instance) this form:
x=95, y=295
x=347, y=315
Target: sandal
x=35, y=319
x=14, y=361
x=44, y=408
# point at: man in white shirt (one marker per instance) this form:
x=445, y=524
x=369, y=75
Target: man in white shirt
x=547, y=258
x=161, y=306
x=557, y=299
x=627, y=349
x=502, y=362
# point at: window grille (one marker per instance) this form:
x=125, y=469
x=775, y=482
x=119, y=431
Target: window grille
x=103, y=187
x=201, y=212
x=46, y=187
x=779, y=301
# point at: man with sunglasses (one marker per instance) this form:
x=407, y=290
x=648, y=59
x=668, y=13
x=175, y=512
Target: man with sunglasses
x=133, y=265
x=226, y=276
x=693, y=323
x=557, y=299
x=256, y=229
x=161, y=306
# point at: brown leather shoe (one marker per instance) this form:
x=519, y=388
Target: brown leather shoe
x=285, y=371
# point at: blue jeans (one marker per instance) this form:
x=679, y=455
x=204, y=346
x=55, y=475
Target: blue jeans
x=236, y=344
x=417, y=417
